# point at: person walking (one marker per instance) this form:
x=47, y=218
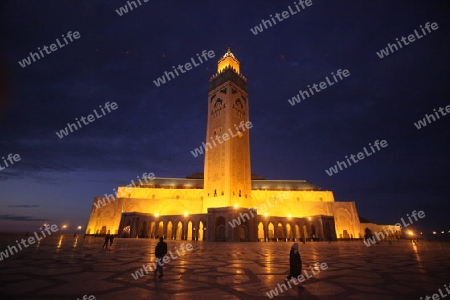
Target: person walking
x=105, y=244
x=160, y=251
x=295, y=263
x=111, y=240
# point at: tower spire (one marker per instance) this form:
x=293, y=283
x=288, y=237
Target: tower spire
x=228, y=60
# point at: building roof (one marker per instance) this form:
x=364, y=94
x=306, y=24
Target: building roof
x=190, y=183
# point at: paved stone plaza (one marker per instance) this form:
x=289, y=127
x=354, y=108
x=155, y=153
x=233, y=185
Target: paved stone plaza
x=69, y=268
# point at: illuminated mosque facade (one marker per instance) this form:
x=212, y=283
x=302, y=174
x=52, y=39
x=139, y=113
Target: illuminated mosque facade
x=227, y=202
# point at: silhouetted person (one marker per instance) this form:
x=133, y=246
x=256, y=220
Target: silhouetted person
x=160, y=251
x=111, y=240
x=105, y=244
x=295, y=262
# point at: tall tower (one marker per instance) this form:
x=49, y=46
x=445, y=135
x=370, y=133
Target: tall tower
x=227, y=179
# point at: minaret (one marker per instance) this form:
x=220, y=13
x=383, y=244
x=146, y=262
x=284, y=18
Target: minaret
x=227, y=179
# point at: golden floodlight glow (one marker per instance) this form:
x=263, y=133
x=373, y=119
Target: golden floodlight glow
x=309, y=218
x=265, y=214
x=235, y=205
x=289, y=216
x=228, y=60
x=156, y=215
x=186, y=214
x=410, y=232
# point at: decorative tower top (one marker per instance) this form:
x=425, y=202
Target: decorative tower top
x=228, y=60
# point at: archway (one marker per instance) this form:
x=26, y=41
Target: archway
x=220, y=229
x=328, y=234
x=142, y=231
x=271, y=231
x=261, y=231
x=169, y=230
x=280, y=231
x=160, y=232
x=297, y=232
x=179, y=233
x=305, y=233
x=201, y=229
x=189, y=231
x=313, y=232
x=242, y=233
x=151, y=230
x=289, y=234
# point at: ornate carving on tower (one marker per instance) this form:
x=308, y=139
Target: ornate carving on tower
x=227, y=157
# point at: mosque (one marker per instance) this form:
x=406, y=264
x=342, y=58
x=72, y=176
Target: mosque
x=227, y=202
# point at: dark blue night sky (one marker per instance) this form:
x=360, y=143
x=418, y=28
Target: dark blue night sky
x=117, y=58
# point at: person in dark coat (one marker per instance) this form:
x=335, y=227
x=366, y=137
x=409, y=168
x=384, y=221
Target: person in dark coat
x=105, y=244
x=160, y=251
x=111, y=240
x=295, y=262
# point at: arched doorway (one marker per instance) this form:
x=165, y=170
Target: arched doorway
x=280, y=232
x=297, y=232
x=179, y=233
x=220, y=229
x=189, y=231
x=261, y=232
x=159, y=232
x=151, y=230
x=328, y=234
x=305, y=233
x=313, y=232
x=243, y=233
x=289, y=233
x=170, y=230
x=201, y=229
x=271, y=231
x=142, y=231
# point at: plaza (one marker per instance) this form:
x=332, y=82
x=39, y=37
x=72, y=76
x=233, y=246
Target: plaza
x=68, y=267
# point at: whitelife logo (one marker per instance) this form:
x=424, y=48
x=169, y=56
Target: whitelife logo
x=371, y=241
x=90, y=118
x=262, y=209
x=27, y=61
x=11, y=157
x=411, y=38
x=323, y=85
x=162, y=80
x=31, y=240
x=111, y=198
x=360, y=156
x=239, y=133
x=284, y=15
x=166, y=259
x=431, y=118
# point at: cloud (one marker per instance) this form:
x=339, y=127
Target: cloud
x=19, y=218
